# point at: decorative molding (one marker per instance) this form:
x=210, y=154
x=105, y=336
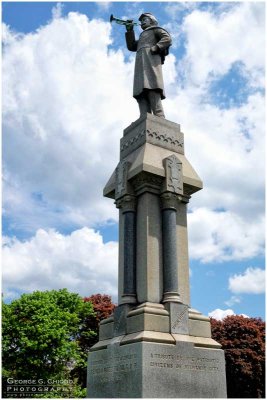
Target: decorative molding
x=127, y=203
x=128, y=299
x=185, y=198
x=133, y=142
x=189, y=190
x=137, y=138
x=146, y=179
x=165, y=138
x=172, y=297
x=169, y=200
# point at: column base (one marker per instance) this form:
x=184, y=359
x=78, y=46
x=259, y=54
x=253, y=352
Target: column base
x=173, y=317
x=172, y=297
x=128, y=299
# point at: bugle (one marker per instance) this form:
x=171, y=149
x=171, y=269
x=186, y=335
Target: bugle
x=122, y=22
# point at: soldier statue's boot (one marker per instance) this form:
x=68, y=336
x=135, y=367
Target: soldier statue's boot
x=150, y=103
x=155, y=102
x=144, y=106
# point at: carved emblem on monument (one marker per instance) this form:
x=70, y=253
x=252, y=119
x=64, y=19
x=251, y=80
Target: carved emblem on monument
x=121, y=178
x=174, y=174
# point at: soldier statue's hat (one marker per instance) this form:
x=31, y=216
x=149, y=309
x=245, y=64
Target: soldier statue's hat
x=149, y=15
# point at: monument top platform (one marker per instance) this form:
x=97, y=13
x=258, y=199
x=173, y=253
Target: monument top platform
x=151, y=129
x=144, y=146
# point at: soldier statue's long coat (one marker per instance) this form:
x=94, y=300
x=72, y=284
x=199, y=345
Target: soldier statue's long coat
x=148, y=66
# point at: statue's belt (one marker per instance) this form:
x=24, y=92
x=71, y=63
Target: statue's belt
x=145, y=47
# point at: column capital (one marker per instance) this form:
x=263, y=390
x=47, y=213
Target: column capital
x=127, y=203
x=169, y=200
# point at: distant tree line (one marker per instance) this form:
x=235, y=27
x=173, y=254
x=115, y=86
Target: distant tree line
x=46, y=337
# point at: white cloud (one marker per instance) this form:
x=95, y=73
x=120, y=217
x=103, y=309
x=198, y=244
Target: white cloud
x=66, y=102
x=233, y=300
x=67, y=99
x=221, y=314
x=252, y=281
x=223, y=236
x=215, y=42
x=104, y=5
x=174, y=8
x=80, y=262
x=225, y=145
x=57, y=10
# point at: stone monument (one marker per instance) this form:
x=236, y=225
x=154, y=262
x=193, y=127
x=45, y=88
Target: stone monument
x=155, y=345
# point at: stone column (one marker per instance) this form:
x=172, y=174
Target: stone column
x=182, y=251
x=127, y=204
x=170, y=261
x=172, y=192
x=149, y=248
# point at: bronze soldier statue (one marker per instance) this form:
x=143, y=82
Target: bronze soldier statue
x=151, y=49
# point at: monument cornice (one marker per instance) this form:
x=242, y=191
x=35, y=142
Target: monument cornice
x=146, y=181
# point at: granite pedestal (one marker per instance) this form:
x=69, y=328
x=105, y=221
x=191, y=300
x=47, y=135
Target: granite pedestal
x=156, y=370
x=155, y=344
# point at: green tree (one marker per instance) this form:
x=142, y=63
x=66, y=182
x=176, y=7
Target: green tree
x=243, y=340
x=41, y=335
x=103, y=308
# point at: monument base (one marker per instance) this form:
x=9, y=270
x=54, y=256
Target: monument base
x=143, y=369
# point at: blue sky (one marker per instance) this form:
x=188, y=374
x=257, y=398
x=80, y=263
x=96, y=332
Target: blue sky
x=67, y=96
